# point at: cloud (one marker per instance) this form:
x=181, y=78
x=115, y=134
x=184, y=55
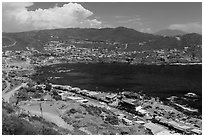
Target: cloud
x=119, y=17
x=126, y=16
x=133, y=20
x=16, y=17
x=188, y=27
x=129, y=21
x=146, y=30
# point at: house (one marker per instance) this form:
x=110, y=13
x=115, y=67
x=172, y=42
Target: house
x=93, y=94
x=103, y=99
x=65, y=95
x=100, y=96
x=60, y=87
x=85, y=92
x=191, y=95
x=164, y=132
x=121, y=116
x=82, y=101
x=68, y=87
x=76, y=89
x=161, y=120
x=36, y=99
x=142, y=112
x=128, y=105
x=42, y=86
x=132, y=95
x=114, y=103
x=126, y=121
x=47, y=97
x=154, y=128
x=139, y=122
x=148, y=116
x=197, y=131
x=111, y=97
x=74, y=98
x=180, y=128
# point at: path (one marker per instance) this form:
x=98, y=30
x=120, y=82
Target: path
x=49, y=114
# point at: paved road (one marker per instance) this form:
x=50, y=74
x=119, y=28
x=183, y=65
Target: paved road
x=10, y=45
x=8, y=95
x=9, y=69
x=8, y=86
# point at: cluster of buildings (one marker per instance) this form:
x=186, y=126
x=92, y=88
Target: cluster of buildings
x=73, y=51
x=57, y=52
x=131, y=103
x=114, y=52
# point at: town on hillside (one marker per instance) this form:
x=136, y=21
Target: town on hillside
x=72, y=109
x=101, y=68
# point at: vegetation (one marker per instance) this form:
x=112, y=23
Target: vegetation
x=37, y=39
x=113, y=120
x=18, y=124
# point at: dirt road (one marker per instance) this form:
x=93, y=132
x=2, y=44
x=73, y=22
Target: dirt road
x=49, y=113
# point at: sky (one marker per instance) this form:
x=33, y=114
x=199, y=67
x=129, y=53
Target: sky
x=145, y=17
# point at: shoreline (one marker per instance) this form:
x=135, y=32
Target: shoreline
x=99, y=99
x=115, y=89
x=139, y=64
x=85, y=94
x=141, y=94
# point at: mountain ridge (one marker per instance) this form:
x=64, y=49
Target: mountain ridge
x=135, y=39
x=170, y=32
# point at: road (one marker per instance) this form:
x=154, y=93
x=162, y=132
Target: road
x=8, y=86
x=10, y=45
x=49, y=114
x=7, y=95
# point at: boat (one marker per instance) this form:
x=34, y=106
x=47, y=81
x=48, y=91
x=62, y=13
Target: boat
x=191, y=95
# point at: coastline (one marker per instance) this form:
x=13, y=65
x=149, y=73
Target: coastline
x=138, y=64
x=85, y=94
x=102, y=88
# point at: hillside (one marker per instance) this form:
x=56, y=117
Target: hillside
x=135, y=40
x=16, y=122
x=169, y=32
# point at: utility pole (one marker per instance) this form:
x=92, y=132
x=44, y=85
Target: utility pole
x=42, y=131
x=17, y=100
x=41, y=110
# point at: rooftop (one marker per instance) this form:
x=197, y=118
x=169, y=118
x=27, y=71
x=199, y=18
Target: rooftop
x=111, y=95
x=130, y=101
x=154, y=128
x=177, y=125
x=93, y=93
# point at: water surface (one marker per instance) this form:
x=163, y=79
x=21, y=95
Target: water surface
x=162, y=81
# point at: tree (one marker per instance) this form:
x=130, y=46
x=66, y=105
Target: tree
x=48, y=87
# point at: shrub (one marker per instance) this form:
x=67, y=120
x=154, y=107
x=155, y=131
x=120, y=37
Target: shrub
x=72, y=111
x=48, y=131
x=113, y=120
x=7, y=107
x=12, y=125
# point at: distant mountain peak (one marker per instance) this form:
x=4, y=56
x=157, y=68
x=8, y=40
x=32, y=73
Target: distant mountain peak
x=170, y=32
x=123, y=28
